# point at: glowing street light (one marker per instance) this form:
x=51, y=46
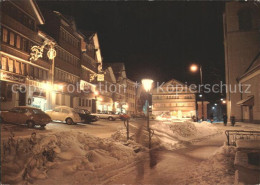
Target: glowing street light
x=224, y=102
x=147, y=84
x=215, y=104
x=194, y=67
x=96, y=93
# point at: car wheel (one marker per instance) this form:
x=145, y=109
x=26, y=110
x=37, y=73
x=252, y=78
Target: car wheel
x=110, y=119
x=42, y=126
x=30, y=124
x=69, y=121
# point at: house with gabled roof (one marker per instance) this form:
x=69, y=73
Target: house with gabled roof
x=175, y=99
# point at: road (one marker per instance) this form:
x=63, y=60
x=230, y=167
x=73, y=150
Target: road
x=101, y=128
x=171, y=167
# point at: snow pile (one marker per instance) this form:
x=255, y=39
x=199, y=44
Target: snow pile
x=218, y=169
x=168, y=136
x=180, y=134
x=36, y=159
x=184, y=129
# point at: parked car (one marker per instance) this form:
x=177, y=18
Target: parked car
x=30, y=116
x=86, y=116
x=111, y=116
x=64, y=113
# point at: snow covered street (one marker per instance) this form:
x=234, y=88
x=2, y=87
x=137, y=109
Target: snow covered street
x=182, y=153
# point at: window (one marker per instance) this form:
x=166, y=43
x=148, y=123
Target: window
x=4, y=63
x=25, y=45
x=83, y=102
x=5, y=35
x=40, y=74
x=11, y=65
x=63, y=99
x=57, y=99
x=23, y=70
x=79, y=101
x=65, y=111
x=18, y=41
x=17, y=67
x=11, y=38
x=89, y=103
x=57, y=109
x=35, y=72
x=44, y=75
x=86, y=103
x=245, y=19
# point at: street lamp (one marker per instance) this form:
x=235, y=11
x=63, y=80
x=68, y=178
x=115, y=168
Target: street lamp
x=147, y=84
x=195, y=68
x=37, y=52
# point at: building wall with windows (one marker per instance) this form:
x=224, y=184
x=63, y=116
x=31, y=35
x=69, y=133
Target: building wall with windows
x=130, y=96
x=19, y=28
x=174, y=98
x=67, y=62
x=241, y=22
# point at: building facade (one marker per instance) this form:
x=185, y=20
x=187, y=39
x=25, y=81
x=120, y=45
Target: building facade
x=67, y=62
x=23, y=81
x=175, y=99
x=130, y=96
x=242, y=44
x=72, y=74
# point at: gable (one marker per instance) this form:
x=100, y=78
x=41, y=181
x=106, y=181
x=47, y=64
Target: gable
x=174, y=83
x=31, y=8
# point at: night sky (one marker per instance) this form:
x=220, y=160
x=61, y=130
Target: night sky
x=154, y=39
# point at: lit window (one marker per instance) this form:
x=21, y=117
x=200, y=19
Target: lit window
x=5, y=35
x=17, y=67
x=11, y=65
x=4, y=63
x=18, y=41
x=11, y=38
x=23, y=68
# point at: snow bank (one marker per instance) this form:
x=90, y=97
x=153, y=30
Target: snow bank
x=168, y=135
x=179, y=134
x=218, y=169
x=35, y=159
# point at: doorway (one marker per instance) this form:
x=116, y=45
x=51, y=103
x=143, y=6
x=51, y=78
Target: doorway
x=22, y=97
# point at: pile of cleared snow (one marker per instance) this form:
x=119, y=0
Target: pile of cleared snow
x=218, y=169
x=35, y=158
x=179, y=134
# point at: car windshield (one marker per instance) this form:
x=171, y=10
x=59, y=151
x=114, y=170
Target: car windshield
x=37, y=111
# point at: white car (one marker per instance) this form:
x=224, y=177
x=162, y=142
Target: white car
x=64, y=113
x=107, y=115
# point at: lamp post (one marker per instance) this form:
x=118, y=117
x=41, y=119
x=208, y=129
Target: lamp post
x=195, y=68
x=147, y=84
x=96, y=93
x=37, y=52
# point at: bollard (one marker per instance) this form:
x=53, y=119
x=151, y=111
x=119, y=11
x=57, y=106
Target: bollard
x=126, y=123
x=233, y=120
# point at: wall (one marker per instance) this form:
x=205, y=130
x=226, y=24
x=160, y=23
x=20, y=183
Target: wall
x=240, y=49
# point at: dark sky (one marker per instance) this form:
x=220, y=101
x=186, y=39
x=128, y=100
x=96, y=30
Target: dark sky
x=154, y=39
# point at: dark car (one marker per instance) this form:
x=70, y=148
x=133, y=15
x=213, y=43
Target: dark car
x=30, y=116
x=86, y=116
